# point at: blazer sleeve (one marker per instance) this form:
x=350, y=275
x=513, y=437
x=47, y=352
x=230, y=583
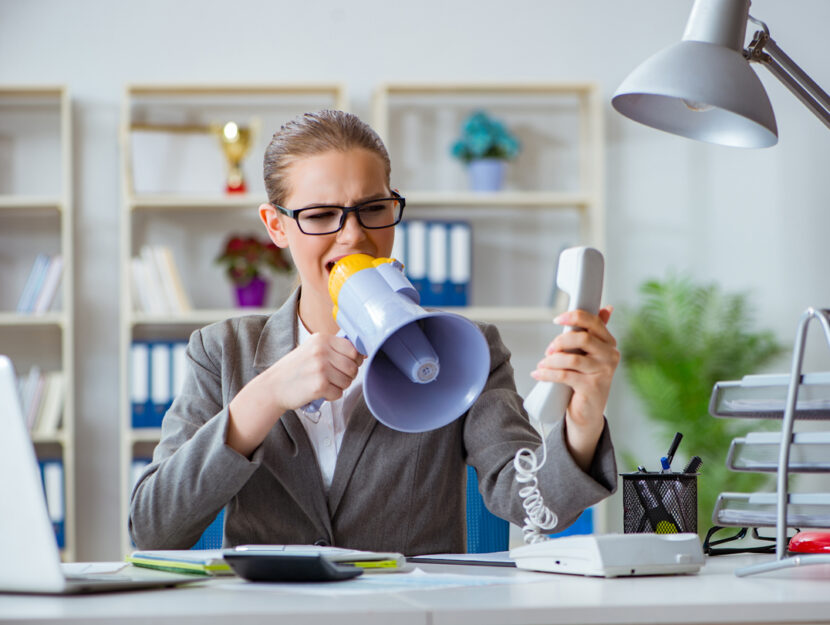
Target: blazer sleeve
x=193, y=473
x=497, y=426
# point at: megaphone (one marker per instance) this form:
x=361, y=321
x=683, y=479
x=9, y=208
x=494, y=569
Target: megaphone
x=423, y=369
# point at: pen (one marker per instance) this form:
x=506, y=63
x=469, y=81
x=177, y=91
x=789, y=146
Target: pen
x=665, y=461
x=694, y=465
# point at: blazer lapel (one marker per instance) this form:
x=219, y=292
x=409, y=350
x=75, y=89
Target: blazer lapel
x=293, y=462
x=360, y=427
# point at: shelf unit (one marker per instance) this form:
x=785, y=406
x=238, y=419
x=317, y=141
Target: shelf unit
x=173, y=194
x=560, y=127
x=761, y=397
x=553, y=197
x=36, y=216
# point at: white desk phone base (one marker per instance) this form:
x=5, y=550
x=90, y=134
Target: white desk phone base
x=613, y=555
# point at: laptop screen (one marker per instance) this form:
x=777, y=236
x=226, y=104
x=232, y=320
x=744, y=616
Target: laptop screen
x=27, y=540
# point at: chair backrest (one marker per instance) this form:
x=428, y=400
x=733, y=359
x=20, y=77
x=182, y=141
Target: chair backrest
x=485, y=531
x=211, y=538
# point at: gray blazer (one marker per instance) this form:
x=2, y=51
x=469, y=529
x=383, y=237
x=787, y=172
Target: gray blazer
x=391, y=491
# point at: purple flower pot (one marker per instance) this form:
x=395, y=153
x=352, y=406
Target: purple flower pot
x=252, y=295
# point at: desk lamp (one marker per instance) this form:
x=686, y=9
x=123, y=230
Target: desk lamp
x=703, y=88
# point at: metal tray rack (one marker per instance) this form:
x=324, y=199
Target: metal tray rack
x=796, y=396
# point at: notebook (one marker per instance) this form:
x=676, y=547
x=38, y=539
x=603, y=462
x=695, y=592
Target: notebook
x=31, y=562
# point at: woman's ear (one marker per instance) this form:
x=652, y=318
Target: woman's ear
x=273, y=224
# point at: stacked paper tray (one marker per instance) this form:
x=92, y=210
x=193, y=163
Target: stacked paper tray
x=765, y=397
x=805, y=510
x=758, y=451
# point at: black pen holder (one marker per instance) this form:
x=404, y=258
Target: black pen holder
x=662, y=503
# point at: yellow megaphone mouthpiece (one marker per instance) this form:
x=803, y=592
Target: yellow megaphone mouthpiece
x=345, y=268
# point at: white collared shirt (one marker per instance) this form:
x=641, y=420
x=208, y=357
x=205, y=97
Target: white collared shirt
x=326, y=433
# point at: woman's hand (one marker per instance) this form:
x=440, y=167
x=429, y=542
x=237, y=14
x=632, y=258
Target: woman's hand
x=585, y=360
x=322, y=367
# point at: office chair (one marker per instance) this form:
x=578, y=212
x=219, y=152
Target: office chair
x=211, y=538
x=485, y=531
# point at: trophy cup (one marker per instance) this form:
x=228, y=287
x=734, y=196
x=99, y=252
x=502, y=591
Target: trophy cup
x=235, y=141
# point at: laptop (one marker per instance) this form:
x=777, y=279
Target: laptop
x=28, y=549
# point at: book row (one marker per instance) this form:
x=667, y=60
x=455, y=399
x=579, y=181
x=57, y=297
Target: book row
x=437, y=259
x=51, y=473
x=42, y=400
x=156, y=282
x=41, y=286
x=156, y=375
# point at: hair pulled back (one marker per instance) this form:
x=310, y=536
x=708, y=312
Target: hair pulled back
x=311, y=134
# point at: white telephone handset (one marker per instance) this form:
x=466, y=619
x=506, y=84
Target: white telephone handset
x=579, y=274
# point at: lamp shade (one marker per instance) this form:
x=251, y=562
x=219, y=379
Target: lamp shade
x=702, y=91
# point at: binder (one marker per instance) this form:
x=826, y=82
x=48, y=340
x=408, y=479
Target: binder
x=137, y=467
x=140, y=384
x=161, y=395
x=416, y=256
x=460, y=270
x=179, y=367
x=399, y=246
x=33, y=283
x=49, y=287
x=437, y=265
x=52, y=474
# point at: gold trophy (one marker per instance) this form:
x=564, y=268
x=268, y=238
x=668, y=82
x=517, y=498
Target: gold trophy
x=235, y=141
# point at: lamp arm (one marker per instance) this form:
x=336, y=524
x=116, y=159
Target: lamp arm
x=763, y=49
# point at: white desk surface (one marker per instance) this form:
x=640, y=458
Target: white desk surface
x=715, y=595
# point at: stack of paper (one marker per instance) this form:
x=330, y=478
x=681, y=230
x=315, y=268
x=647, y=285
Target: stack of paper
x=156, y=282
x=211, y=562
x=195, y=561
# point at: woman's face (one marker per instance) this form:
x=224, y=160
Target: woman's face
x=339, y=179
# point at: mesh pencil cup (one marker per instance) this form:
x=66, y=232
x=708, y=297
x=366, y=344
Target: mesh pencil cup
x=662, y=503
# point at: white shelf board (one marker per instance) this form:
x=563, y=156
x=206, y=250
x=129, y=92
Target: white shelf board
x=194, y=202
x=31, y=202
x=31, y=319
x=41, y=439
x=531, y=314
x=145, y=435
x=199, y=316
x=520, y=199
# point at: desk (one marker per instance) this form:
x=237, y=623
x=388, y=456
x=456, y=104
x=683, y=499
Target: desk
x=713, y=596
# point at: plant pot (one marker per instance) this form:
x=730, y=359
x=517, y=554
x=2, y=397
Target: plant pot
x=252, y=295
x=486, y=174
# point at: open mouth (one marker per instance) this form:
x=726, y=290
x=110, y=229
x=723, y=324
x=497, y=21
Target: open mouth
x=330, y=265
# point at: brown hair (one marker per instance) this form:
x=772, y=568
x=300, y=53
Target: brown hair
x=311, y=134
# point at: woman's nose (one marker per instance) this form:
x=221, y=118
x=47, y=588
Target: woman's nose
x=351, y=230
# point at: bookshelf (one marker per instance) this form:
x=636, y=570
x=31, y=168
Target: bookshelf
x=553, y=196
x=36, y=217
x=173, y=175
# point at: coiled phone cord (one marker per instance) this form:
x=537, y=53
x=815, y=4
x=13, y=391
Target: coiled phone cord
x=539, y=516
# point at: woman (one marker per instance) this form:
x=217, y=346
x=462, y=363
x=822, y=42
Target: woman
x=236, y=438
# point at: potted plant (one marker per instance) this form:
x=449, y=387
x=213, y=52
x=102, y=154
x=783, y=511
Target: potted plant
x=246, y=259
x=485, y=146
x=681, y=340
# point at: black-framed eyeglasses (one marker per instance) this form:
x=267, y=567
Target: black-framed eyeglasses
x=711, y=544
x=374, y=214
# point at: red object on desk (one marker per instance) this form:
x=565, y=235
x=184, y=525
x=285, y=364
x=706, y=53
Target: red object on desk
x=810, y=542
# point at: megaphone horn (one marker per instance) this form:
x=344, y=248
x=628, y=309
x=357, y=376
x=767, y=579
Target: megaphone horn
x=424, y=369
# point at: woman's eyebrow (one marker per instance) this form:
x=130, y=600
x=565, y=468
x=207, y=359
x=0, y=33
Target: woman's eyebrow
x=368, y=198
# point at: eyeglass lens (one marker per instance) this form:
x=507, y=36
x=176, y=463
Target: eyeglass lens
x=381, y=213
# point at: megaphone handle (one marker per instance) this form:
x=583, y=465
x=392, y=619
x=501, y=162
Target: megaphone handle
x=312, y=408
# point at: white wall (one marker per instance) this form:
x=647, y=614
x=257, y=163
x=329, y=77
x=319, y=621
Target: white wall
x=754, y=221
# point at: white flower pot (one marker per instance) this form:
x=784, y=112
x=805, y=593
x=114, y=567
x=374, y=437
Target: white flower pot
x=486, y=174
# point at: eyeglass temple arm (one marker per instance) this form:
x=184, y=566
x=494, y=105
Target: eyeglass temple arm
x=762, y=49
